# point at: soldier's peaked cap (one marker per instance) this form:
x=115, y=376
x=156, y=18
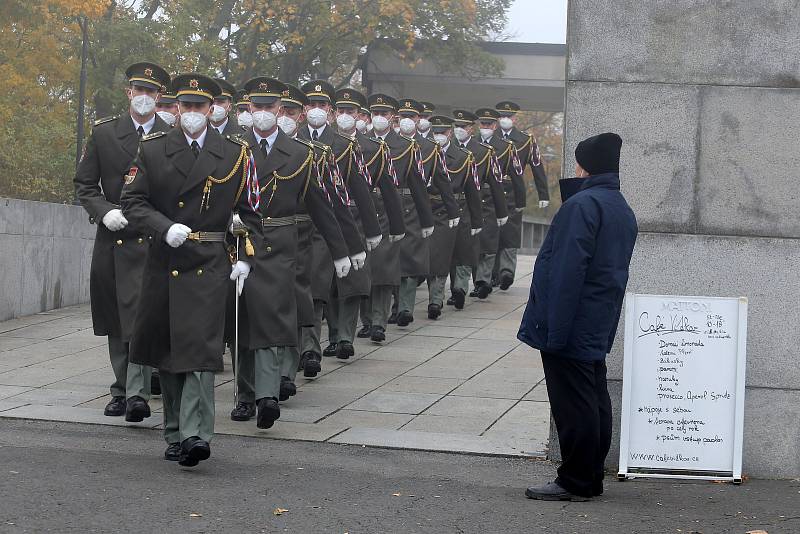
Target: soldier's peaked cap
x=463, y=117
x=147, y=75
x=319, y=91
x=409, y=105
x=381, y=102
x=428, y=108
x=293, y=96
x=242, y=98
x=350, y=97
x=228, y=90
x=506, y=107
x=263, y=90
x=487, y=114
x=168, y=95
x=193, y=87
x=441, y=122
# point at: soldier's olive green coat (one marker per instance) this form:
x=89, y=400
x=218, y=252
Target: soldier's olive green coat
x=493, y=198
x=118, y=258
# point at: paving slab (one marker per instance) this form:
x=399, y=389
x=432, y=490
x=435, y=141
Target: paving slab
x=360, y=418
x=447, y=424
x=421, y=384
x=479, y=408
x=11, y=391
x=394, y=402
x=76, y=415
x=525, y=423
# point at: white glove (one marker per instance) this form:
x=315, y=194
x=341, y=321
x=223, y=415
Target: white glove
x=115, y=220
x=239, y=272
x=475, y=231
x=357, y=260
x=396, y=238
x=544, y=203
x=373, y=242
x=452, y=223
x=520, y=209
x=177, y=234
x=341, y=266
x=426, y=232
x=502, y=221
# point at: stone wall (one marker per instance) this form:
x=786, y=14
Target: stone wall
x=45, y=253
x=705, y=96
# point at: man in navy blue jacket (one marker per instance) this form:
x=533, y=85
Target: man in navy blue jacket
x=572, y=314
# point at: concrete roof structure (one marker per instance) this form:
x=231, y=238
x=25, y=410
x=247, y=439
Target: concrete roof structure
x=533, y=77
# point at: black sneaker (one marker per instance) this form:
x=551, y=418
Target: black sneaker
x=115, y=407
x=244, y=411
x=404, y=318
x=434, y=311
x=483, y=290
x=193, y=451
x=378, y=334
x=365, y=331
x=451, y=301
x=474, y=292
x=345, y=350
x=311, y=364
x=331, y=350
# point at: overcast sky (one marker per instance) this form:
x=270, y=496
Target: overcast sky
x=538, y=21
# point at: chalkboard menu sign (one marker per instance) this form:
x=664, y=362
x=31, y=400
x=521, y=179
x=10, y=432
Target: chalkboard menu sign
x=683, y=387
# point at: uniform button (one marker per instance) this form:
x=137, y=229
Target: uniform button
x=181, y=204
x=269, y=249
x=141, y=240
x=199, y=272
x=174, y=274
x=150, y=237
x=119, y=241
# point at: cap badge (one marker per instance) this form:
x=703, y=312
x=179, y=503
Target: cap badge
x=318, y=88
x=263, y=86
x=194, y=84
x=285, y=93
x=148, y=72
x=346, y=95
x=379, y=100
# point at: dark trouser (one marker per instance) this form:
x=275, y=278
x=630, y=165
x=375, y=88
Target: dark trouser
x=581, y=408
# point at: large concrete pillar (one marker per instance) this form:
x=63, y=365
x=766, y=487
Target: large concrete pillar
x=705, y=95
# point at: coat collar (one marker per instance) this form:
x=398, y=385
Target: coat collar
x=195, y=170
x=609, y=180
x=279, y=154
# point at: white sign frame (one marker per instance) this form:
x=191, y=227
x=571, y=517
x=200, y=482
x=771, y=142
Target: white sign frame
x=626, y=470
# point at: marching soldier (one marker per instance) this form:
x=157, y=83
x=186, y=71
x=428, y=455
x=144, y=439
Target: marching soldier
x=243, y=116
x=490, y=236
x=321, y=95
x=120, y=249
x=407, y=164
x=167, y=106
x=528, y=155
x=459, y=166
x=444, y=207
x=287, y=178
x=467, y=256
x=364, y=122
x=183, y=188
x=220, y=111
x=424, y=124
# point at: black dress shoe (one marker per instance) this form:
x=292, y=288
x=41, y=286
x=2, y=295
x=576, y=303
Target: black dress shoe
x=451, y=301
x=553, y=492
x=378, y=334
x=459, y=297
x=244, y=411
x=404, y=318
x=268, y=412
x=345, y=350
x=365, y=331
x=312, y=364
x=173, y=452
x=288, y=389
x=393, y=318
x=474, y=292
x=331, y=350
x=115, y=407
x=193, y=451
x=434, y=311
x=136, y=409
x=155, y=384
x=483, y=290
x=506, y=279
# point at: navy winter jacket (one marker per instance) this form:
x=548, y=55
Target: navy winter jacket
x=581, y=272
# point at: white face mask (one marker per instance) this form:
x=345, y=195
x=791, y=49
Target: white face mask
x=218, y=113
x=424, y=125
x=486, y=133
x=167, y=117
x=407, y=126
x=316, y=117
x=361, y=126
x=193, y=122
x=345, y=122
x=245, y=119
x=505, y=123
x=380, y=123
x=461, y=134
x=441, y=139
x=143, y=104
x=264, y=120
x=370, y=127
x=287, y=124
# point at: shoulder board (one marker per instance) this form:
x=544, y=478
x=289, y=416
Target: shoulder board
x=309, y=144
x=485, y=145
x=236, y=139
x=348, y=139
x=373, y=139
x=508, y=141
x=105, y=120
x=464, y=150
x=154, y=135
